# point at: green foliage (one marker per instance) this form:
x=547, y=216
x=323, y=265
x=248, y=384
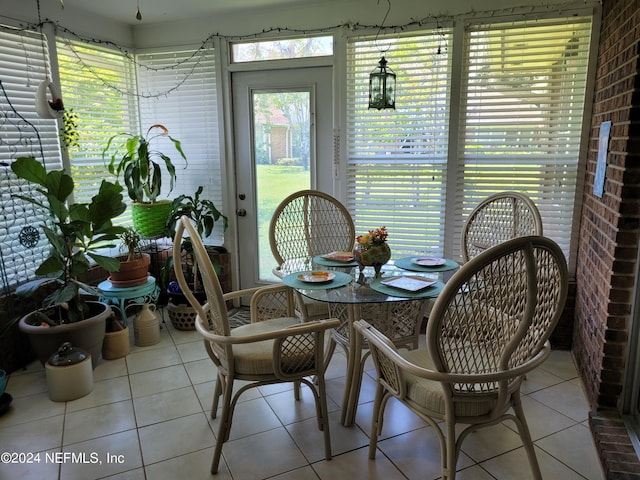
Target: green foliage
x=131, y=241
x=203, y=212
x=80, y=229
x=139, y=165
x=204, y=215
x=69, y=134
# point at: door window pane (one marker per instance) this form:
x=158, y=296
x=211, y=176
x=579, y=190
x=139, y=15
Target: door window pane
x=282, y=155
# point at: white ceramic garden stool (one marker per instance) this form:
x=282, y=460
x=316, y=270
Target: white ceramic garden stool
x=69, y=373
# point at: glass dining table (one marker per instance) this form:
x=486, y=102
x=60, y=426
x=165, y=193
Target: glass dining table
x=395, y=303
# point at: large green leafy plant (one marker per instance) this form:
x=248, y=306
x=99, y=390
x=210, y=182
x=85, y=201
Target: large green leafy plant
x=204, y=215
x=79, y=230
x=140, y=165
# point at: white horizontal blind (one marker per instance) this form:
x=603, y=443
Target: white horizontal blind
x=23, y=68
x=396, y=163
x=98, y=84
x=178, y=90
x=24, y=65
x=523, y=97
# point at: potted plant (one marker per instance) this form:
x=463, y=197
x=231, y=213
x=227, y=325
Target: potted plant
x=204, y=215
x=134, y=265
x=140, y=167
x=79, y=230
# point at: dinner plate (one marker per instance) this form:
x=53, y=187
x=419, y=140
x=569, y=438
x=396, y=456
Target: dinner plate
x=408, y=283
x=339, y=256
x=429, y=261
x=316, y=277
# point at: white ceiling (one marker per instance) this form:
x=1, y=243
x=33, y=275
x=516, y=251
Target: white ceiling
x=156, y=11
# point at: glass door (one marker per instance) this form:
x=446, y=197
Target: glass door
x=282, y=126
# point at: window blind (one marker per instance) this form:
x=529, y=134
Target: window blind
x=178, y=90
x=523, y=98
x=23, y=67
x=396, y=159
x=98, y=84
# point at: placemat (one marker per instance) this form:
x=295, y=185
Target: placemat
x=341, y=279
x=320, y=260
x=432, y=291
x=406, y=264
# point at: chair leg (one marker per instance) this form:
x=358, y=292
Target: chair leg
x=217, y=391
x=376, y=420
x=449, y=456
x=323, y=419
x=525, y=435
x=296, y=390
x=225, y=424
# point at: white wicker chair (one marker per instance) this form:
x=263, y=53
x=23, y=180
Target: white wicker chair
x=488, y=328
x=499, y=218
x=274, y=348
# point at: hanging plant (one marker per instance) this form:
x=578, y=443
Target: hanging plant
x=69, y=135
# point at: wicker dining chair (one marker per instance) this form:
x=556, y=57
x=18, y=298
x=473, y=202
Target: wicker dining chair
x=305, y=224
x=498, y=218
x=479, y=345
x=275, y=347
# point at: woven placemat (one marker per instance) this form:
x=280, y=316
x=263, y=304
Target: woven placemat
x=341, y=279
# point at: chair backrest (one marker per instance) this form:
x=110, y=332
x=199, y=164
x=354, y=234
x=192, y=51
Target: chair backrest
x=215, y=309
x=309, y=223
x=497, y=313
x=499, y=218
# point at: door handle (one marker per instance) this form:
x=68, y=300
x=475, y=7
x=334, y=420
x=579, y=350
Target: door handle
x=241, y=212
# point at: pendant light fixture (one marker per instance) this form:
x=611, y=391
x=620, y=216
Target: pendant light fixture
x=382, y=80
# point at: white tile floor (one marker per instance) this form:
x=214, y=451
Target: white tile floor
x=148, y=418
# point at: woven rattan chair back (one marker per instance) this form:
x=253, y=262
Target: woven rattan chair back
x=499, y=218
x=309, y=223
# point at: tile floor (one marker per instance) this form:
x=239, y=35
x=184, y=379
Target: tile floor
x=148, y=418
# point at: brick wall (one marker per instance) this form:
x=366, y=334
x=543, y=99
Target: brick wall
x=610, y=230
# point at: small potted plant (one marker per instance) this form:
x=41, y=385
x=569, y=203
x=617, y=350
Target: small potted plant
x=79, y=230
x=134, y=265
x=204, y=214
x=141, y=168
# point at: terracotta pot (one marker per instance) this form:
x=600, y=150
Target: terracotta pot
x=87, y=334
x=132, y=273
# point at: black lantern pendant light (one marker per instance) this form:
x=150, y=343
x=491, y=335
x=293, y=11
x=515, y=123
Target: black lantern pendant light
x=382, y=80
x=382, y=87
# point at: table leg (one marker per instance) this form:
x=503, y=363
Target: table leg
x=354, y=371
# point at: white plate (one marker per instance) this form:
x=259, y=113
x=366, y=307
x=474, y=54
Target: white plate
x=409, y=283
x=339, y=256
x=316, y=277
x=428, y=261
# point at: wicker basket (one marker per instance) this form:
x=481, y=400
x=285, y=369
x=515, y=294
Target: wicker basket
x=149, y=218
x=183, y=317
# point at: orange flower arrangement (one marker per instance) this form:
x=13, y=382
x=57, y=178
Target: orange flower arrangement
x=373, y=237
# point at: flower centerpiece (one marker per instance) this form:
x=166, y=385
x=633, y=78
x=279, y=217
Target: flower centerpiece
x=372, y=250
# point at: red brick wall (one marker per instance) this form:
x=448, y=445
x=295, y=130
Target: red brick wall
x=610, y=226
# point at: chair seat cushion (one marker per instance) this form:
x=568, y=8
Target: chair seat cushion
x=257, y=358
x=429, y=394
